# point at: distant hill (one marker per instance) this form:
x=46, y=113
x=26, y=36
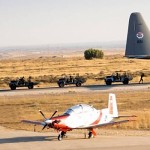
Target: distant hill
x=55, y=49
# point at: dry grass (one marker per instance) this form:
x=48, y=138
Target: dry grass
x=14, y=109
x=47, y=68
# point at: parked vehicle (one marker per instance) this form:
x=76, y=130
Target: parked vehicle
x=123, y=77
x=78, y=81
x=21, y=83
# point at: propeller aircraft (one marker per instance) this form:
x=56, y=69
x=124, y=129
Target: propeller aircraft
x=83, y=116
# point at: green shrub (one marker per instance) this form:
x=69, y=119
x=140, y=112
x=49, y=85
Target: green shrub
x=93, y=53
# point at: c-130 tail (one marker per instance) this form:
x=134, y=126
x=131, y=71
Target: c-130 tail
x=138, y=38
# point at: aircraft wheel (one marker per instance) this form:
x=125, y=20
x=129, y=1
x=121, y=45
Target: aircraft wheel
x=59, y=137
x=90, y=135
x=63, y=134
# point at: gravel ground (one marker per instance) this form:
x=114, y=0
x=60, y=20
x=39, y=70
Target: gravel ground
x=88, y=88
x=17, y=139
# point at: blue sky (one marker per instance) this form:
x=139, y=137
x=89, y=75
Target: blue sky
x=38, y=22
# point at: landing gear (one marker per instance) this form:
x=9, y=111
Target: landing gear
x=61, y=135
x=90, y=134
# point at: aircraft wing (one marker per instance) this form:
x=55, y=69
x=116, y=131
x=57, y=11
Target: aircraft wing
x=34, y=122
x=106, y=124
x=126, y=116
x=111, y=123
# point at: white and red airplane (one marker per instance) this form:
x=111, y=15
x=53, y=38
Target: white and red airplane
x=83, y=116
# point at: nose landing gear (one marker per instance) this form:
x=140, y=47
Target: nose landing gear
x=61, y=135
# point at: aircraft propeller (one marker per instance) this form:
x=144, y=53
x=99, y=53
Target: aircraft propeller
x=48, y=124
x=53, y=114
x=44, y=126
x=42, y=114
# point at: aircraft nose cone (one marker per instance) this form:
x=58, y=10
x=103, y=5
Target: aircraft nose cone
x=48, y=121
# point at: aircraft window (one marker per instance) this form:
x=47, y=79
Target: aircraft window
x=87, y=108
x=75, y=109
x=79, y=109
x=69, y=111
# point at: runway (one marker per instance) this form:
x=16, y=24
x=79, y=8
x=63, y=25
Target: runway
x=18, y=139
x=84, y=88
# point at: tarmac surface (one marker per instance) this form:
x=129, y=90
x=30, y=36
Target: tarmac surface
x=27, y=140
x=84, y=88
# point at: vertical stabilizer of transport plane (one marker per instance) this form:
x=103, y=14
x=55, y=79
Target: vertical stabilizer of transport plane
x=138, y=38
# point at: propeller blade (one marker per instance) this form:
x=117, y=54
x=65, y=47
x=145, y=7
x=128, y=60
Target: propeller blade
x=54, y=114
x=47, y=123
x=44, y=127
x=42, y=114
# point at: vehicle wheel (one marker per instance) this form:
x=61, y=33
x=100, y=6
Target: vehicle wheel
x=61, y=84
x=126, y=81
x=108, y=82
x=30, y=86
x=13, y=87
x=78, y=84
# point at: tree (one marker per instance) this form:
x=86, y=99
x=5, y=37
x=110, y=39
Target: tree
x=88, y=54
x=99, y=54
x=93, y=53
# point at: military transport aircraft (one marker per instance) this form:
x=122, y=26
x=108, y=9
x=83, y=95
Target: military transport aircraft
x=83, y=116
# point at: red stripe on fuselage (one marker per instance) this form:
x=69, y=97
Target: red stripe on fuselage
x=98, y=119
x=61, y=126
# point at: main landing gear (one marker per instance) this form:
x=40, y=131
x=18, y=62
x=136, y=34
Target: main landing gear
x=61, y=135
x=91, y=133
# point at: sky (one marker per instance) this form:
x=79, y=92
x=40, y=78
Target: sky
x=40, y=22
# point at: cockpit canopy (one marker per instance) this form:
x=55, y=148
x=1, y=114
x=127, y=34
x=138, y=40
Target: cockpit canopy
x=77, y=109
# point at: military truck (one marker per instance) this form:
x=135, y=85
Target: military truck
x=78, y=81
x=21, y=83
x=118, y=76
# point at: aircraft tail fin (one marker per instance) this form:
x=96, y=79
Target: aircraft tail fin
x=137, y=45
x=112, y=105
